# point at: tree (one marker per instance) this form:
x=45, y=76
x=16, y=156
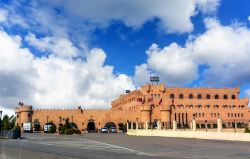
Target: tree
x=37, y=125
x=6, y=123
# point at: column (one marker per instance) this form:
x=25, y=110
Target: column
x=249, y=125
x=194, y=125
x=174, y=125
x=235, y=126
x=127, y=125
x=136, y=125
x=158, y=125
x=191, y=125
x=146, y=125
x=219, y=125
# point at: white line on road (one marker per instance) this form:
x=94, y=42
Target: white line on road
x=88, y=144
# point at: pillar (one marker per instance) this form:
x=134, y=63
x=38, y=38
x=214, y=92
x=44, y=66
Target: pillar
x=127, y=125
x=146, y=125
x=194, y=125
x=136, y=126
x=158, y=125
x=174, y=125
x=219, y=125
x=235, y=126
x=191, y=125
x=249, y=125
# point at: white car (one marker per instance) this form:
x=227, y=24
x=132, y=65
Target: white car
x=104, y=130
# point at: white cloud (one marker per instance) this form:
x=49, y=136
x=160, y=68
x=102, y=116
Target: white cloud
x=55, y=81
x=142, y=75
x=249, y=18
x=223, y=50
x=58, y=46
x=208, y=6
x=3, y=15
x=174, y=15
x=173, y=63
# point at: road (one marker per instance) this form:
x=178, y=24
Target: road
x=119, y=146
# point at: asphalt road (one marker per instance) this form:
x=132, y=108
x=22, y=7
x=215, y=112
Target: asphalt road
x=119, y=146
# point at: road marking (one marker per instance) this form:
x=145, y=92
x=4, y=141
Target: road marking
x=86, y=144
x=119, y=147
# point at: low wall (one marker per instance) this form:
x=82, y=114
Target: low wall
x=192, y=134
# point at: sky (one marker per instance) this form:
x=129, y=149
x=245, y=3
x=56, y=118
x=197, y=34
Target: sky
x=64, y=54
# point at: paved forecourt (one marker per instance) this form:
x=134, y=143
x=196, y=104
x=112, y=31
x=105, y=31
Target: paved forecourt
x=120, y=146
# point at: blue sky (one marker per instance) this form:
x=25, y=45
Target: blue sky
x=59, y=52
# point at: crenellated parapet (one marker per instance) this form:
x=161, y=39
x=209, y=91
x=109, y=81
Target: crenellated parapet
x=23, y=108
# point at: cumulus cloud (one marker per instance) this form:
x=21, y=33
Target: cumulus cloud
x=173, y=63
x=55, y=81
x=208, y=6
x=249, y=18
x=174, y=16
x=3, y=15
x=56, y=45
x=223, y=50
x=62, y=17
x=142, y=74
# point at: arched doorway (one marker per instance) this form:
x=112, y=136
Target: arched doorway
x=110, y=125
x=91, y=126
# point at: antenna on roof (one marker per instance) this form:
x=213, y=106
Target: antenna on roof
x=128, y=91
x=154, y=79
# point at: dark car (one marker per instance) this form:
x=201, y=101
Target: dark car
x=113, y=130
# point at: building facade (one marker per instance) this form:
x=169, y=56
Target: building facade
x=150, y=105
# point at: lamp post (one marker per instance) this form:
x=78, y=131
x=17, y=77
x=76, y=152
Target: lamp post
x=235, y=125
x=206, y=125
x=1, y=126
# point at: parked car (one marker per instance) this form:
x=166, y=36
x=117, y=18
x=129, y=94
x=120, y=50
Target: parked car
x=113, y=130
x=104, y=130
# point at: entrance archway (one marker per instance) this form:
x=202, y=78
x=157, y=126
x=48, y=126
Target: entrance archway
x=110, y=125
x=91, y=126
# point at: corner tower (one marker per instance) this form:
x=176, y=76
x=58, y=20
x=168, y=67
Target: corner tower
x=23, y=114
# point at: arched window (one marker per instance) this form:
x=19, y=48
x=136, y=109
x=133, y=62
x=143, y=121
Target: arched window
x=233, y=96
x=216, y=96
x=199, y=96
x=181, y=96
x=172, y=96
x=225, y=96
x=208, y=96
x=191, y=96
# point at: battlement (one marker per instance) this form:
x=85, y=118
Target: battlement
x=23, y=108
x=70, y=109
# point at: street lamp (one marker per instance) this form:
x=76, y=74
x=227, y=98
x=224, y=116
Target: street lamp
x=1, y=126
x=206, y=125
x=235, y=125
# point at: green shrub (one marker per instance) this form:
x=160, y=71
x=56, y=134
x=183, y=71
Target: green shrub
x=247, y=130
x=72, y=131
x=17, y=128
x=52, y=129
x=37, y=127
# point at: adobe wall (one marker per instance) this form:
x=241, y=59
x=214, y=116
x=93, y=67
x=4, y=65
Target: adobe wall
x=153, y=103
